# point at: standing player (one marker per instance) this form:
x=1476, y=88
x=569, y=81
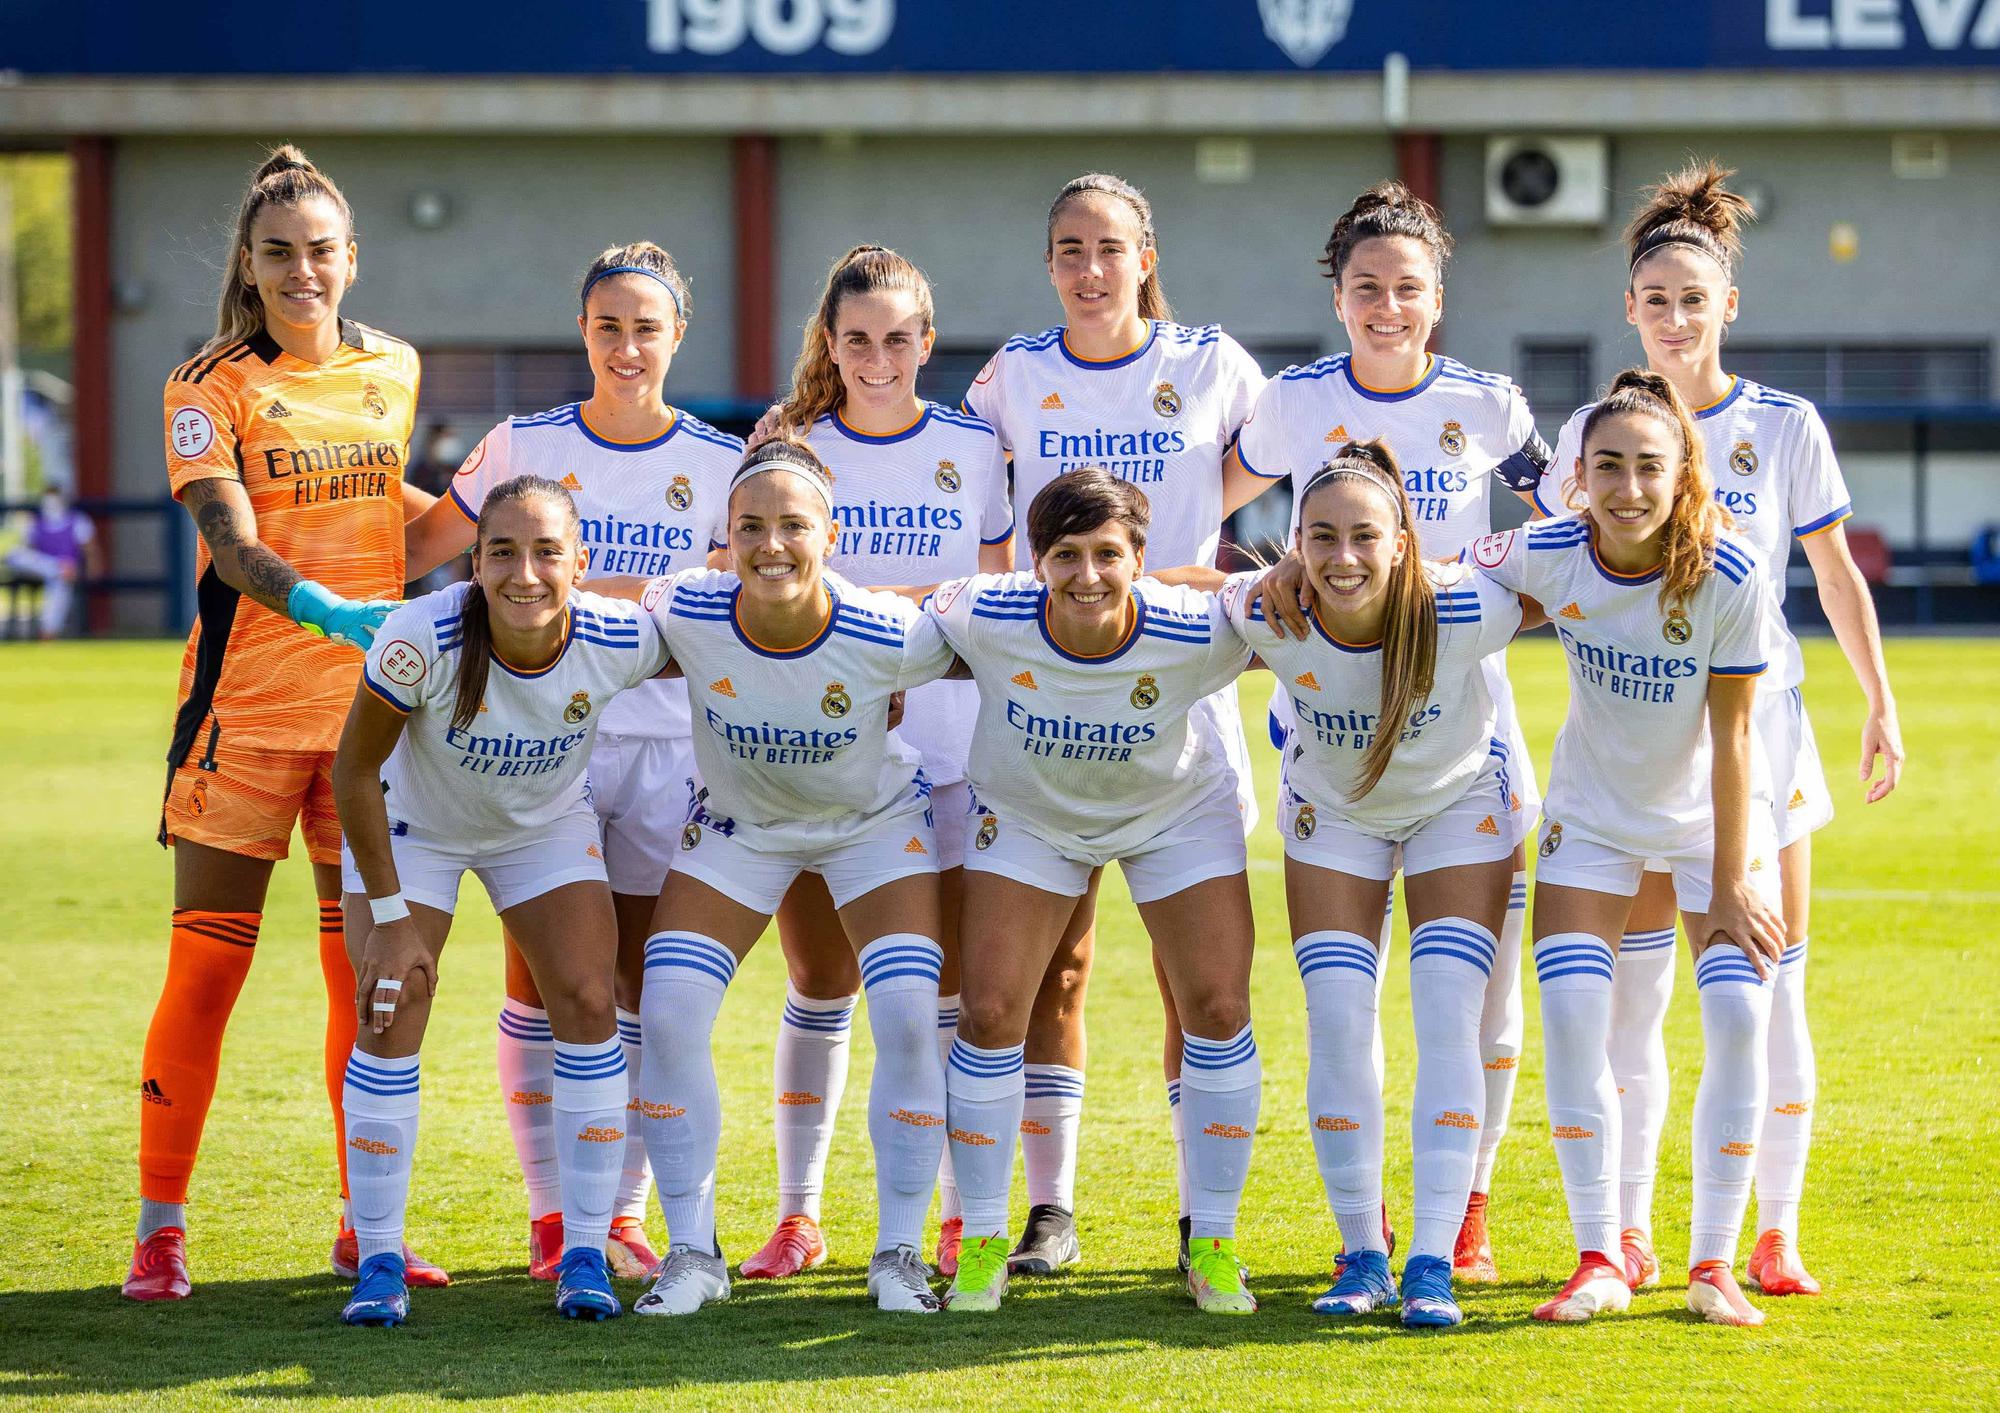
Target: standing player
x=1774, y=471
x=920, y=496
x=465, y=749
x=286, y=439
x=790, y=670
x=1089, y=748
x=1662, y=621
x=650, y=482
x=1119, y=385
x=1393, y=640
x=1453, y=430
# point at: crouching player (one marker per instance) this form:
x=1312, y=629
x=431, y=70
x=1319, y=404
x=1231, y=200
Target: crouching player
x=790, y=670
x=1084, y=753
x=465, y=749
x=1662, y=622
x=1396, y=743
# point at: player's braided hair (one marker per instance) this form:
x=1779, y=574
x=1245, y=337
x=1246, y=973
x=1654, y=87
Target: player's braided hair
x=1687, y=541
x=1691, y=207
x=1386, y=209
x=1152, y=294
x=475, y=654
x=285, y=178
x=1409, y=619
x=866, y=269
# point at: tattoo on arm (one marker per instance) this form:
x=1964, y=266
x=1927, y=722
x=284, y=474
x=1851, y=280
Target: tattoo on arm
x=228, y=528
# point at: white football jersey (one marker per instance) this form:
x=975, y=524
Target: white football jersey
x=1774, y=472
x=1162, y=417
x=520, y=765
x=1453, y=432
x=648, y=508
x=914, y=507
x=794, y=745
x=1632, y=759
x=1335, y=691
x=1093, y=755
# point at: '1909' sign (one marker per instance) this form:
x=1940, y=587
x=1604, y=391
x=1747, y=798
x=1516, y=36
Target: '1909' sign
x=778, y=26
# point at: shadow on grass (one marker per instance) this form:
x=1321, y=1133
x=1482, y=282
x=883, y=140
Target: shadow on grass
x=494, y=1334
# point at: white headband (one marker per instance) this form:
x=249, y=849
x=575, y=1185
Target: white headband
x=804, y=473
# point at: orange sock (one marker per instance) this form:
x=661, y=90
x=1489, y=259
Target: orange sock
x=341, y=1024
x=206, y=963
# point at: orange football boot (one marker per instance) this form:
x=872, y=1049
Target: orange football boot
x=1472, y=1257
x=1714, y=1295
x=345, y=1258
x=630, y=1256
x=1597, y=1288
x=1775, y=1269
x=545, y=1247
x=951, y=1235
x=1642, y=1268
x=159, y=1267
x=795, y=1246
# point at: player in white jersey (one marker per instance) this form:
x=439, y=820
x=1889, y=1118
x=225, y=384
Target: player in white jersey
x=1663, y=618
x=790, y=670
x=1455, y=431
x=920, y=496
x=1119, y=385
x=650, y=483
x=1391, y=638
x=1085, y=752
x=1774, y=471
x=465, y=749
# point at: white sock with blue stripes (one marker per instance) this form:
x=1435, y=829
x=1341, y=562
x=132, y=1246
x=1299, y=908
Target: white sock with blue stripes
x=983, y=1105
x=1222, y=1087
x=906, y=1098
x=380, y=1101
x=1050, y=1115
x=947, y=1032
x=1343, y=1082
x=1574, y=970
x=1451, y=960
x=527, y=1085
x=1503, y=1023
x=1781, y=1155
x=1730, y=1100
x=680, y=1109
x=635, y=1179
x=590, y=1097
x=808, y=1077
x=1640, y=990
x=1178, y=1120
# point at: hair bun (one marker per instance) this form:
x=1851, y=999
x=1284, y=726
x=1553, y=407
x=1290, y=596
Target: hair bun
x=1691, y=203
x=285, y=158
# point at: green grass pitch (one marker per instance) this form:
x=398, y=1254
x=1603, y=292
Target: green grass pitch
x=1905, y=985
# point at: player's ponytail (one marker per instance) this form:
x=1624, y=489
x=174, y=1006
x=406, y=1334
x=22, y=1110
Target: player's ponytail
x=1691, y=207
x=1152, y=294
x=285, y=178
x=1409, y=616
x=1386, y=209
x=1687, y=541
x=866, y=269
x=475, y=652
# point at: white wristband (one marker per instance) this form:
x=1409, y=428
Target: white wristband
x=389, y=909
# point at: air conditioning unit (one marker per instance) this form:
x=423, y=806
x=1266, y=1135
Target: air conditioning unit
x=1547, y=181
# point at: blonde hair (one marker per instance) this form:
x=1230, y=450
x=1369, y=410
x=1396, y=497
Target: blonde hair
x=1409, y=621
x=1152, y=294
x=1687, y=541
x=285, y=178
x=1691, y=207
x=866, y=269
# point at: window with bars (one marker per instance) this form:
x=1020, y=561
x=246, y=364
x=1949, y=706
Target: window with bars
x=1879, y=375
x=1554, y=375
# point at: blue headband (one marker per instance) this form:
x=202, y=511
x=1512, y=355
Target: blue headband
x=680, y=310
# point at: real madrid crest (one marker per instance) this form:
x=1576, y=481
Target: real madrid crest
x=690, y=836
x=836, y=702
x=198, y=799
x=1166, y=401
x=371, y=398
x=1304, y=822
x=1552, y=839
x=1146, y=693
x=1743, y=460
x=947, y=477
x=989, y=830
x=578, y=708
x=1452, y=439
x=680, y=494
x=1677, y=629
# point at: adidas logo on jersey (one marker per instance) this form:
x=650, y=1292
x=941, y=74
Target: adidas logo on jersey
x=277, y=410
x=1487, y=826
x=1025, y=678
x=722, y=688
x=915, y=846
x=1570, y=611
x=1306, y=679
x=1798, y=799
x=1052, y=403
x=1338, y=434
x=570, y=483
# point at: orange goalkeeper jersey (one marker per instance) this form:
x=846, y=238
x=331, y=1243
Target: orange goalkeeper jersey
x=321, y=449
